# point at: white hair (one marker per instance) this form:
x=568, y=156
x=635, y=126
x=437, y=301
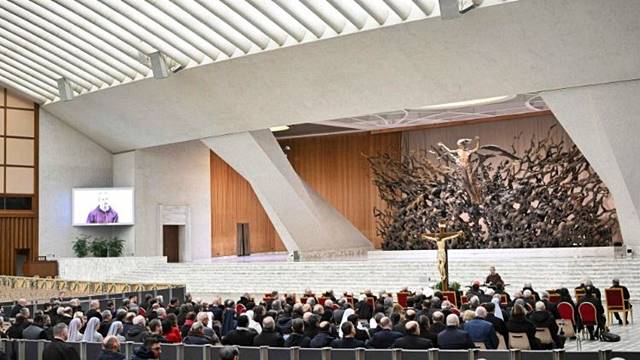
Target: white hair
x=139, y=320
x=540, y=306
x=453, y=320
x=481, y=312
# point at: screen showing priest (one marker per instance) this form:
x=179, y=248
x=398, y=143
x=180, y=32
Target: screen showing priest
x=107, y=206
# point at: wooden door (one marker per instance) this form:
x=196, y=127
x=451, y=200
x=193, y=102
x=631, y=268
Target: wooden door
x=242, y=239
x=171, y=243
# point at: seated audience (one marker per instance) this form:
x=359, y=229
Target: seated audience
x=385, y=337
x=297, y=337
x=454, y=338
x=324, y=336
x=527, y=286
x=481, y=330
x=348, y=340
x=58, y=349
x=626, y=296
x=242, y=335
x=35, y=330
x=111, y=349
x=138, y=331
x=518, y=324
x=412, y=339
x=150, y=349
x=269, y=336
x=196, y=336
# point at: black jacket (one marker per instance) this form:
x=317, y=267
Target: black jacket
x=198, y=340
x=59, y=350
x=542, y=319
x=347, y=343
x=383, y=339
x=499, y=325
x=323, y=339
x=34, y=332
x=268, y=338
x=136, y=333
x=141, y=353
x=521, y=325
x=240, y=336
x=412, y=342
x=296, y=339
x=110, y=355
x=454, y=338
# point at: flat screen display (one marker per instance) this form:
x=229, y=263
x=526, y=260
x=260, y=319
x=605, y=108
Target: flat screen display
x=102, y=206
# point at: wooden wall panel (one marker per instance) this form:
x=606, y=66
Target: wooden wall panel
x=17, y=233
x=233, y=201
x=335, y=166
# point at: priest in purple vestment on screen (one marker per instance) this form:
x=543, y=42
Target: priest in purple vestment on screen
x=103, y=213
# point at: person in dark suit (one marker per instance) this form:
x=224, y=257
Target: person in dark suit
x=35, y=330
x=297, y=337
x=590, y=297
x=58, y=349
x=454, y=338
x=518, y=324
x=111, y=349
x=541, y=318
x=481, y=330
x=626, y=296
x=384, y=338
x=498, y=323
x=348, y=340
x=323, y=338
x=242, y=335
x=412, y=340
x=269, y=336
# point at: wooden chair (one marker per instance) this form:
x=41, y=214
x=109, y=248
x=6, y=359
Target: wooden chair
x=579, y=294
x=544, y=335
x=450, y=296
x=519, y=341
x=402, y=298
x=502, y=344
x=480, y=345
x=616, y=304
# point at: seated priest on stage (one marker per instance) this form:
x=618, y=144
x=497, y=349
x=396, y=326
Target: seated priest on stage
x=625, y=295
x=590, y=297
x=586, y=282
x=493, y=278
x=475, y=290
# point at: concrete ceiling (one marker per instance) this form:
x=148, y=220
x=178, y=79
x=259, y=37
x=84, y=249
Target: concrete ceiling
x=515, y=48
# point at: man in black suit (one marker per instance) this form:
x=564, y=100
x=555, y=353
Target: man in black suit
x=348, y=340
x=58, y=349
x=412, y=340
x=242, y=335
x=323, y=338
x=269, y=336
x=626, y=296
x=590, y=297
x=454, y=338
x=384, y=338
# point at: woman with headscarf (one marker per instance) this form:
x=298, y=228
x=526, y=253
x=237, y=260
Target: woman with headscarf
x=252, y=323
x=74, y=330
x=116, y=330
x=498, y=309
x=91, y=333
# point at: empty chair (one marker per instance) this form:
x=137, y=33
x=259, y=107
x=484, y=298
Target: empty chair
x=519, y=341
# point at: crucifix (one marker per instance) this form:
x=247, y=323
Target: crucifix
x=443, y=260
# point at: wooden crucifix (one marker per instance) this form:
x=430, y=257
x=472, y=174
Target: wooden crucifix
x=443, y=259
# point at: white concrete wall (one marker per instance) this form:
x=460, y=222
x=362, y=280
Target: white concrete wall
x=67, y=159
x=124, y=176
x=176, y=174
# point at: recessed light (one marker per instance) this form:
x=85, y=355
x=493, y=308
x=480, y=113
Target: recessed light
x=279, y=128
x=467, y=103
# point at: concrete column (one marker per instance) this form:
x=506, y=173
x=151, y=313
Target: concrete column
x=304, y=221
x=604, y=122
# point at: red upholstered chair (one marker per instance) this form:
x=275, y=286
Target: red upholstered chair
x=402, y=298
x=371, y=302
x=615, y=303
x=303, y=300
x=554, y=298
x=464, y=300
x=240, y=309
x=450, y=296
x=504, y=300
x=455, y=311
x=588, y=315
x=321, y=300
x=567, y=318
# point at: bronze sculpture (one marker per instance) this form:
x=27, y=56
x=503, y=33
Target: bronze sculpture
x=443, y=259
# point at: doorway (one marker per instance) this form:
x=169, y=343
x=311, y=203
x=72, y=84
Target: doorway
x=171, y=242
x=242, y=239
x=21, y=258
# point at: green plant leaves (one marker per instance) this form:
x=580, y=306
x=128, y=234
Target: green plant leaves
x=98, y=246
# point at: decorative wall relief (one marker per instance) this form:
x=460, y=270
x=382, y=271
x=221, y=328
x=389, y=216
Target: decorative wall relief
x=546, y=195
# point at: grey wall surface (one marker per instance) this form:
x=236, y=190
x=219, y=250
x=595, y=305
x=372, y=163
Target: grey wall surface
x=67, y=159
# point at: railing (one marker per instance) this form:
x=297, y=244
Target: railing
x=103, y=291
x=33, y=349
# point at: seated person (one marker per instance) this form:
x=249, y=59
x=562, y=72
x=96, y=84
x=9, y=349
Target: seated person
x=348, y=340
x=589, y=297
x=454, y=338
x=626, y=296
x=475, y=289
x=481, y=330
x=412, y=339
x=518, y=324
x=586, y=282
x=527, y=286
x=541, y=318
x=297, y=337
x=384, y=338
x=493, y=278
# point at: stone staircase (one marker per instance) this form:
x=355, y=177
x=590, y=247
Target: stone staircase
x=546, y=269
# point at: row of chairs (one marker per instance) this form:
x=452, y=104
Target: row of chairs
x=32, y=350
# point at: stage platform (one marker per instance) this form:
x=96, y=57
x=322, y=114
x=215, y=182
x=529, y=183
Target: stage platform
x=380, y=270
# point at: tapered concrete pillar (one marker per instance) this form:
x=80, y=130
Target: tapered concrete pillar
x=304, y=221
x=604, y=122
